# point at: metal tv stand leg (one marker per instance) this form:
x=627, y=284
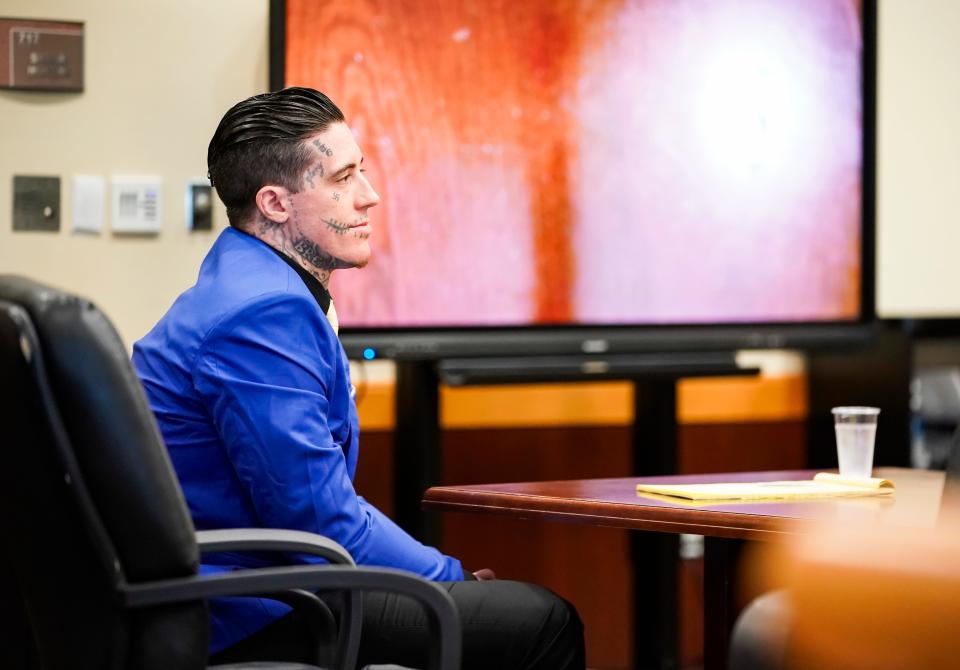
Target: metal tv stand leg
x=416, y=448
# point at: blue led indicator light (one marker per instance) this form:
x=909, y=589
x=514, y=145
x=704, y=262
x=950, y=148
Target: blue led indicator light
x=369, y=354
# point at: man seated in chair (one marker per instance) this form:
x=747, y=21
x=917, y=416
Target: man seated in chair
x=251, y=389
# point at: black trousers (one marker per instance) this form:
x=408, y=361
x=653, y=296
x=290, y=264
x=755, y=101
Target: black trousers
x=506, y=626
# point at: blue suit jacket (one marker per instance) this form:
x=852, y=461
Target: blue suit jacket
x=252, y=392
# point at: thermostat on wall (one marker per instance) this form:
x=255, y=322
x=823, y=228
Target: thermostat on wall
x=136, y=204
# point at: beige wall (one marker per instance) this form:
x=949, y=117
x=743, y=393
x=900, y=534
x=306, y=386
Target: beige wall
x=159, y=75
x=918, y=183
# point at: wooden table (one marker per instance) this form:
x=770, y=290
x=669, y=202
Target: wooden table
x=614, y=502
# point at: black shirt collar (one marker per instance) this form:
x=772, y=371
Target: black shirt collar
x=317, y=290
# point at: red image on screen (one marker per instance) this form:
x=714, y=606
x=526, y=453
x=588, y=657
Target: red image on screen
x=616, y=162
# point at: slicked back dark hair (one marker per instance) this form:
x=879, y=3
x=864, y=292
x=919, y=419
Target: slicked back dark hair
x=260, y=141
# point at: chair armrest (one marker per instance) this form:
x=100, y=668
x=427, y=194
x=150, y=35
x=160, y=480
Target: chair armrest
x=278, y=539
x=437, y=603
x=272, y=539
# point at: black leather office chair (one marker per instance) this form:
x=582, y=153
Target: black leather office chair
x=96, y=532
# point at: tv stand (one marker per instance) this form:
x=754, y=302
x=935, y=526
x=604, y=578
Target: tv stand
x=654, y=376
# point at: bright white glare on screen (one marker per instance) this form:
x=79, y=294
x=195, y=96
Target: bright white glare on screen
x=748, y=112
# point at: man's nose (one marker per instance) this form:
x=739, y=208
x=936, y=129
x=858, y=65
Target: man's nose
x=369, y=197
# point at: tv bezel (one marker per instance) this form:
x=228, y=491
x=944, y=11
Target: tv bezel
x=432, y=343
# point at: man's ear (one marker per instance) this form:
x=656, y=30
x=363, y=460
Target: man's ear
x=273, y=203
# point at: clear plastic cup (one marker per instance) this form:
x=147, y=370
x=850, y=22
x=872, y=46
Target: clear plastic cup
x=856, y=429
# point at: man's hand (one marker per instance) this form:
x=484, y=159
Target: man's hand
x=484, y=574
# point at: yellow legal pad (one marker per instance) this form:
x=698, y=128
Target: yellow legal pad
x=823, y=485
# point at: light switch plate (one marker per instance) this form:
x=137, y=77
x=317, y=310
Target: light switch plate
x=136, y=204
x=36, y=203
x=87, y=208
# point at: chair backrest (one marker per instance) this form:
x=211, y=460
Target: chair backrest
x=90, y=500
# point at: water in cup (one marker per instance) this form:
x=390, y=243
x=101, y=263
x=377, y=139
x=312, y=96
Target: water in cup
x=855, y=449
x=856, y=430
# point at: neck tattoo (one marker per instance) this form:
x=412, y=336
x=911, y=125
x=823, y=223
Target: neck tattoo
x=299, y=247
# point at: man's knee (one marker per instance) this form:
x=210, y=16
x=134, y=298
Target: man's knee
x=564, y=617
x=558, y=630
x=525, y=602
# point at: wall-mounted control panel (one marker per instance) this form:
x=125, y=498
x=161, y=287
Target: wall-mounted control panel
x=41, y=55
x=136, y=204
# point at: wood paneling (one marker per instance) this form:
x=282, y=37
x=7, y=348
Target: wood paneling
x=374, y=480
x=709, y=400
x=743, y=447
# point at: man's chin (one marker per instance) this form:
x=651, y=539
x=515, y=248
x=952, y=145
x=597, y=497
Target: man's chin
x=360, y=262
x=363, y=260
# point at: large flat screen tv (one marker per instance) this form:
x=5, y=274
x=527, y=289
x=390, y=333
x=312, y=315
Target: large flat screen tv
x=597, y=176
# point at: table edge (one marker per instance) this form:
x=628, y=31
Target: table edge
x=659, y=519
